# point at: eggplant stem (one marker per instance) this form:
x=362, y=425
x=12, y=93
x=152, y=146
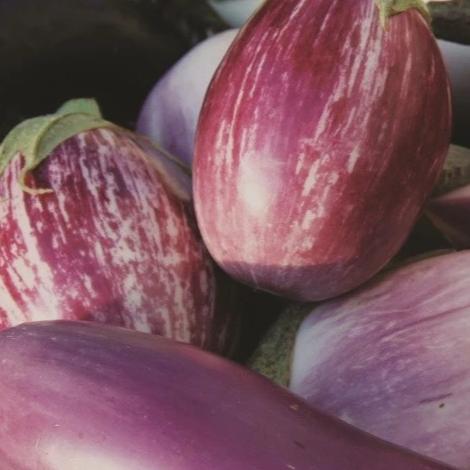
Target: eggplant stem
x=389, y=8
x=274, y=355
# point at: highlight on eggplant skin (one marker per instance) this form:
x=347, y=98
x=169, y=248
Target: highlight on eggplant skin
x=392, y=357
x=78, y=395
x=312, y=157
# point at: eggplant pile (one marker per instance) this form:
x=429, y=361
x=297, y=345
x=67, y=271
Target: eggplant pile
x=234, y=235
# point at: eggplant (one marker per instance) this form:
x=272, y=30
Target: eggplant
x=113, y=50
x=451, y=18
x=76, y=395
x=171, y=110
x=97, y=224
x=312, y=158
x=390, y=358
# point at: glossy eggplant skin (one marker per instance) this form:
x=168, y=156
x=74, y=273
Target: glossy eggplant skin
x=392, y=357
x=312, y=157
x=79, y=395
x=112, y=50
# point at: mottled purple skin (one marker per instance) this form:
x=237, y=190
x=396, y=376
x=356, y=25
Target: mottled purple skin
x=392, y=358
x=77, y=395
x=312, y=157
x=170, y=112
x=114, y=242
x=450, y=213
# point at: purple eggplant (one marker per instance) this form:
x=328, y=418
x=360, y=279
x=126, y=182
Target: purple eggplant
x=97, y=224
x=78, y=395
x=308, y=175
x=392, y=358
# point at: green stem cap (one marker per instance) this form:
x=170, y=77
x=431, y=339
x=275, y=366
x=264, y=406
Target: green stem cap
x=273, y=357
x=389, y=8
x=36, y=138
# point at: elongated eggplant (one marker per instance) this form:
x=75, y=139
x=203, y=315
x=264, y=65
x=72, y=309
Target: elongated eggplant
x=78, y=395
x=113, y=50
x=313, y=158
x=97, y=224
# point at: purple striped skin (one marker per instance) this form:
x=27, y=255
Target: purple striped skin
x=450, y=213
x=320, y=138
x=115, y=242
x=76, y=395
x=392, y=358
x=171, y=110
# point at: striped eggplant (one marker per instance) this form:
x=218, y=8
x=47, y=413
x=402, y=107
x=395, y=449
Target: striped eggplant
x=392, y=358
x=450, y=17
x=321, y=136
x=76, y=395
x=171, y=110
x=96, y=224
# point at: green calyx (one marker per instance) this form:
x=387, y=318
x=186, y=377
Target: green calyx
x=273, y=357
x=36, y=138
x=389, y=8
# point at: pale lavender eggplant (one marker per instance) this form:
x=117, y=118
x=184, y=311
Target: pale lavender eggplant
x=76, y=395
x=312, y=157
x=392, y=358
x=171, y=110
